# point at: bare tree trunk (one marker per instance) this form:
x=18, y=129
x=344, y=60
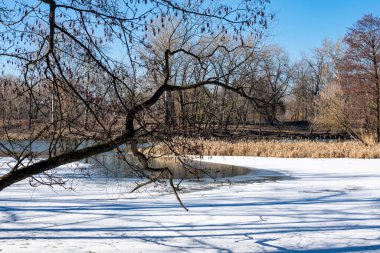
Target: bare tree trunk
x=30, y=110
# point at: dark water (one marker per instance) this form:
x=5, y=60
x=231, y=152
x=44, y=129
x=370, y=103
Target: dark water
x=112, y=165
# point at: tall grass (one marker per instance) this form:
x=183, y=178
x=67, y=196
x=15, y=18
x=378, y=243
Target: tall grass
x=280, y=148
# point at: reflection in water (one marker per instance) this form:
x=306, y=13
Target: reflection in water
x=109, y=164
x=200, y=176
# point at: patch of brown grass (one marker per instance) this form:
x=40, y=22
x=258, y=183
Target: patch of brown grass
x=278, y=148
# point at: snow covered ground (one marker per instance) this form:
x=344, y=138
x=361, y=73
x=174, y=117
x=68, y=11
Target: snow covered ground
x=332, y=205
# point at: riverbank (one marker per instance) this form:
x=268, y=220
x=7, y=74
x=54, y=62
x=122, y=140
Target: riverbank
x=330, y=205
x=285, y=148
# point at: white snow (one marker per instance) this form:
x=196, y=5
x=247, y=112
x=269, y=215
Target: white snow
x=332, y=205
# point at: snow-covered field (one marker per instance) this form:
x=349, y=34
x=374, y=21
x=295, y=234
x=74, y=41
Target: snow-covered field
x=333, y=205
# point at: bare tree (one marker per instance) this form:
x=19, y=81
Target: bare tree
x=276, y=76
x=334, y=112
x=301, y=99
x=361, y=72
x=88, y=54
x=313, y=73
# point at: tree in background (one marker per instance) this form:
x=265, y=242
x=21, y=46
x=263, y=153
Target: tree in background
x=312, y=73
x=361, y=73
x=300, y=103
x=276, y=75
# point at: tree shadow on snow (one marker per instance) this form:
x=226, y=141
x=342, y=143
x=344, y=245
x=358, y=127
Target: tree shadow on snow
x=22, y=219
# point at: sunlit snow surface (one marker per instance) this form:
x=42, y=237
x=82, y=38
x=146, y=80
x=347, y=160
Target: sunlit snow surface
x=330, y=205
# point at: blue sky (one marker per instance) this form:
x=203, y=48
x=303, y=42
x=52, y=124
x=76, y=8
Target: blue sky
x=301, y=25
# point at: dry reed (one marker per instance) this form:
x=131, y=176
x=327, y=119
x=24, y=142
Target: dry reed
x=278, y=148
